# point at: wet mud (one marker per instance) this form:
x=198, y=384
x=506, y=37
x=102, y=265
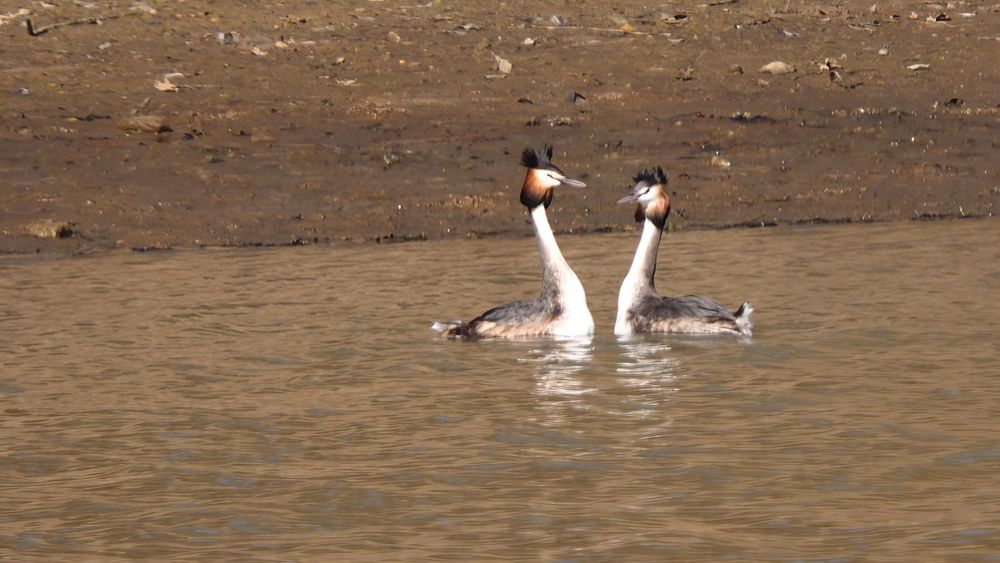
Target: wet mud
x=172, y=125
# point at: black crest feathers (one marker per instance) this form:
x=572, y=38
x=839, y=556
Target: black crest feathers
x=529, y=158
x=652, y=177
x=655, y=211
x=532, y=159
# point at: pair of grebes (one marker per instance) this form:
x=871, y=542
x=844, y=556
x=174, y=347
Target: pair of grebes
x=561, y=309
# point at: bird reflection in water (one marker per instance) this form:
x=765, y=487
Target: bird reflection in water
x=649, y=370
x=557, y=378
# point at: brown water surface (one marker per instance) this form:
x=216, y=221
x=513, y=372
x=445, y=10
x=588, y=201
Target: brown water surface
x=294, y=404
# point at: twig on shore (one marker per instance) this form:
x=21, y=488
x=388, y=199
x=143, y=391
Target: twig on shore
x=606, y=30
x=36, y=31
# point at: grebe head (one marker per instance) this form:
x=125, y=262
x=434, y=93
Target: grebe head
x=650, y=191
x=542, y=176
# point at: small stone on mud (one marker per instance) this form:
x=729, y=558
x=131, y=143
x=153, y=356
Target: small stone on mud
x=165, y=84
x=743, y=116
x=721, y=162
x=557, y=21
x=146, y=123
x=883, y=51
x=918, y=66
x=258, y=51
x=49, y=228
x=143, y=7
x=503, y=65
x=390, y=158
x=736, y=69
x=529, y=41
x=777, y=67
x=394, y=37
x=22, y=91
x=227, y=37
x=557, y=121
x=829, y=64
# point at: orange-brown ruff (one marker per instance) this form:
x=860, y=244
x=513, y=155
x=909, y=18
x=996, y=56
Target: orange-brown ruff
x=561, y=308
x=534, y=190
x=640, y=308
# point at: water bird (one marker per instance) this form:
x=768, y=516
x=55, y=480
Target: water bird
x=561, y=308
x=640, y=308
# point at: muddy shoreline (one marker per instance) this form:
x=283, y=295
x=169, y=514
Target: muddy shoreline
x=193, y=124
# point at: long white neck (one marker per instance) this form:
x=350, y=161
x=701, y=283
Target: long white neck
x=560, y=282
x=553, y=262
x=639, y=281
x=644, y=264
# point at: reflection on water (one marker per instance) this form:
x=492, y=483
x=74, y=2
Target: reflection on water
x=558, y=380
x=650, y=369
x=558, y=364
x=294, y=404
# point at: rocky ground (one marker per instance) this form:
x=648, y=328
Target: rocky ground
x=196, y=123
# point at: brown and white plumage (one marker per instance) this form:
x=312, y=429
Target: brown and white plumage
x=561, y=308
x=640, y=308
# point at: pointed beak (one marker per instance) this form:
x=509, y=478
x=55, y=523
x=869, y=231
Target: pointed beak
x=629, y=198
x=572, y=183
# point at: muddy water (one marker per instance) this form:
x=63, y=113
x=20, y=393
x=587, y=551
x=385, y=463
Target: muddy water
x=293, y=404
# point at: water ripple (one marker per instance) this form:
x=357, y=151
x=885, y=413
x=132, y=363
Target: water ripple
x=294, y=404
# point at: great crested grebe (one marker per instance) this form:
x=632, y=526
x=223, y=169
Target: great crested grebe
x=640, y=309
x=561, y=309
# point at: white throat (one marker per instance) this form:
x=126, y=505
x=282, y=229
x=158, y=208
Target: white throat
x=575, y=318
x=639, y=281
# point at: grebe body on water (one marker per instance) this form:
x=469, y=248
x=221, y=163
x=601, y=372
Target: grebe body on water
x=561, y=308
x=640, y=308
